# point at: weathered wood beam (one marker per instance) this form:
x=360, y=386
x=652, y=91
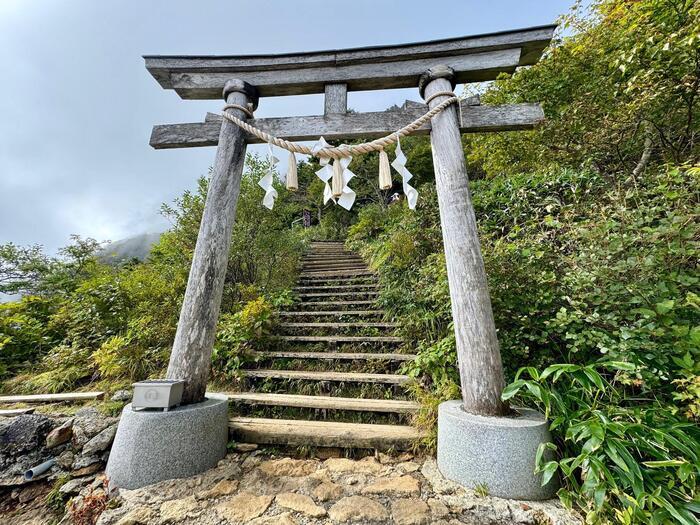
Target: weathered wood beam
x=476, y=67
x=171, y=71
x=335, y=100
x=475, y=119
x=52, y=398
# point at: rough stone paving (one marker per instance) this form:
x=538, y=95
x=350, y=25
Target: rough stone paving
x=259, y=489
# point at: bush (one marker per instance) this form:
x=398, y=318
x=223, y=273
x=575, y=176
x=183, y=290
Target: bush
x=622, y=454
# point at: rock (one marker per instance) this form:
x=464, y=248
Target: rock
x=408, y=467
x=401, y=486
x=437, y=482
x=87, y=423
x=60, y=435
x=347, y=465
x=328, y=491
x=300, y=503
x=121, y=395
x=137, y=516
x=438, y=508
x=243, y=507
x=32, y=492
x=85, y=471
x=224, y=487
x=357, y=508
x=176, y=510
x=74, y=485
x=101, y=441
x=245, y=447
x=280, y=519
x=83, y=461
x=410, y=511
x=288, y=467
x=65, y=459
x=23, y=434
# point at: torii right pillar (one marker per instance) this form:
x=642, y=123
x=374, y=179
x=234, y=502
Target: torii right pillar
x=477, y=444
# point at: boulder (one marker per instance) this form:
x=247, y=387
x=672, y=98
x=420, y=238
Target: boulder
x=121, y=395
x=23, y=434
x=60, y=435
x=100, y=442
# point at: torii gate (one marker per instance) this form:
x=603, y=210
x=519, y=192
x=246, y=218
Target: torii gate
x=434, y=67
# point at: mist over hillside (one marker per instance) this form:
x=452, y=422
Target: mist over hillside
x=136, y=247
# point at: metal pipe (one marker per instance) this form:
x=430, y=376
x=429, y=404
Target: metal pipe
x=39, y=469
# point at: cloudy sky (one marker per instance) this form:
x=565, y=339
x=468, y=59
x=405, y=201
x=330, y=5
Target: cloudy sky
x=77, y=104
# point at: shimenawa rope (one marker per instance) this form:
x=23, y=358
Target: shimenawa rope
x=345, y=150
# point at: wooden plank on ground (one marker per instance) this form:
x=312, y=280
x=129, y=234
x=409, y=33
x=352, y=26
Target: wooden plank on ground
x=10, y=412
x=309, y=375
x=323, y=433
x=335, y=313
x=347, y=356
x=367, y=324
x=325, y=402
x=339, y=339
x=52, y=398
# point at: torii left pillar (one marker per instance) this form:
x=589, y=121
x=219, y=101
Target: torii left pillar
x=190, y=359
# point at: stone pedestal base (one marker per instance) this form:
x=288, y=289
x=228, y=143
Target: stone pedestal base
x=498, y=452
x=152, y=446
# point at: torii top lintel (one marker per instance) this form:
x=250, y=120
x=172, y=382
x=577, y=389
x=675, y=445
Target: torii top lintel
x=473, y=58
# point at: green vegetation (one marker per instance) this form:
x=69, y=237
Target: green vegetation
x=589, y=229
x=81, y=320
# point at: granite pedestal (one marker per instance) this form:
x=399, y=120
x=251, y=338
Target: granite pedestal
x=152, y=446
x=495, y=452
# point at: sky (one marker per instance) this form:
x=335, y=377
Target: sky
x=77, y=104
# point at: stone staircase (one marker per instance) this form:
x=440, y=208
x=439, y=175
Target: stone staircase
x=330, y=377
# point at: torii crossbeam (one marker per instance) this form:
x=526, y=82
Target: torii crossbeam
x=434, y=67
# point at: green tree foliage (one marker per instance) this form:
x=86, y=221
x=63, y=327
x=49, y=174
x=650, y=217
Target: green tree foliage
x=81, y=320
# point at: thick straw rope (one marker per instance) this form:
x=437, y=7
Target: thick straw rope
x=344, y=150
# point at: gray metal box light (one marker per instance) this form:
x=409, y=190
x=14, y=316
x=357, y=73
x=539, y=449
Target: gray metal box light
x=157, y=393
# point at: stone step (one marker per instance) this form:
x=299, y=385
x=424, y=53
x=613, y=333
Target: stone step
x=335, y=313
x=338, y=287
x=349, y=356
x=338, y=325
x=339, y=339
x=333, y=267
x=338, y=294
x=296, y=432
x=310, y=375
x=325, y=402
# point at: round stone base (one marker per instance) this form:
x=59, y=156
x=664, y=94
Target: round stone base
x=495, y=452
x=152, y=446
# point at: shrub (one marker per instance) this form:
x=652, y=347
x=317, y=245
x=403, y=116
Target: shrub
x=622, y=454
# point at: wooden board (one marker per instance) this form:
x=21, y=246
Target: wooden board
x=338, y=287
x=323, y=275
x=339, y=339
x=350, y=377
x=323, y=433
x=335, y=313
x=475, y=119
x=10, y=412
x=51, y=398
x=338, y=303
x=348, y=356
x=339, y=294
x=478, y=57
x=325, y=402
x=338, y=325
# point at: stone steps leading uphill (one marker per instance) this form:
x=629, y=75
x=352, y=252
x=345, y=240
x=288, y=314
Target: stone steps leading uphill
x=331, y=376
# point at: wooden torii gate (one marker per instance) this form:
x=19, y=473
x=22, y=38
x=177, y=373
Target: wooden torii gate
x=434, y=67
